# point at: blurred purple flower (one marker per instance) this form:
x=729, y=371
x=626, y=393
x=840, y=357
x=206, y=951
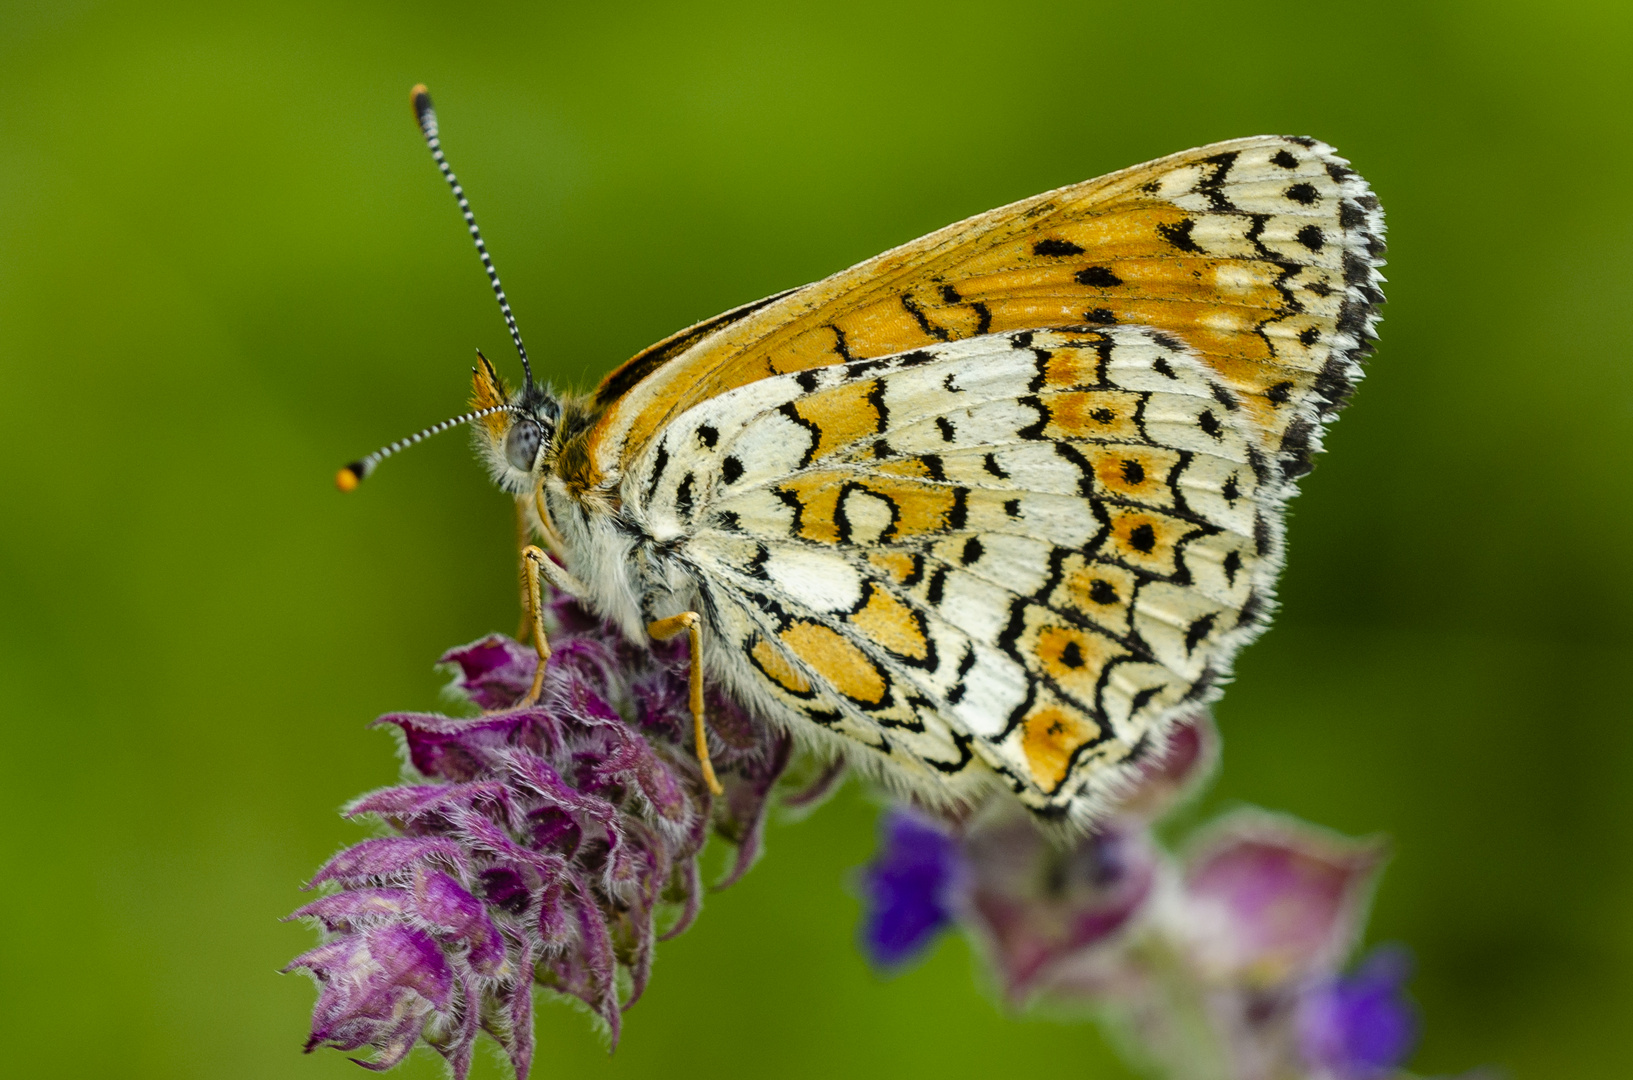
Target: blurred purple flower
x=909, y=889
x=1266, y=899
x=1360, y=1026
x=1035, y=902
x=1222, y=964
x=544, y=845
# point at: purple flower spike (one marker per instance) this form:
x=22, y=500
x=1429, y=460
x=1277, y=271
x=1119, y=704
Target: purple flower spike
x=1360, y=1027
x=1268, y=899
x=909, y=889
x=542, y=843
x=1040, y=905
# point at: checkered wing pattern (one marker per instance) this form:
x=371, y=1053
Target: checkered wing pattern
x=1020, y=553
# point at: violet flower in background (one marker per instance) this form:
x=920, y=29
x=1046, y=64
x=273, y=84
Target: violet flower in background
x=545, y=844
x=909, y=888
x=1360, y=1026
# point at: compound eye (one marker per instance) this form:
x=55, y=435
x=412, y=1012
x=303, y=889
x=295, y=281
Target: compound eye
x=522, y=444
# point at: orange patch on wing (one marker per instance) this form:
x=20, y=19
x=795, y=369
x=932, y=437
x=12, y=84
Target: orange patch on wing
x=892, y=625
x=841, y=415
x=920, y=508
x=1134, y=472
x=1074, y=658
x=1068, y=368
x=899, y=566
x=1092, y=414
x=818, y=498
x=1050, y=736
x=1098, y=590
x=771, y=661
x=886, y=327
x=911, y=467
x=845, y=667
x=1146, y=540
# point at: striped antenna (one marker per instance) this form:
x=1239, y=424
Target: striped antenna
x=350, y=476
x=427, y=117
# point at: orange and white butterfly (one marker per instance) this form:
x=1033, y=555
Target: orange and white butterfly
x=987, y=511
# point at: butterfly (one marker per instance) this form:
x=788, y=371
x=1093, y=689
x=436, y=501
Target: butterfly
x=989, y=511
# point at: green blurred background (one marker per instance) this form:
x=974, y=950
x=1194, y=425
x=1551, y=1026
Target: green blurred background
x=227, y=266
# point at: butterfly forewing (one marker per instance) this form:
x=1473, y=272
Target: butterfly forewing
x=1259, y=254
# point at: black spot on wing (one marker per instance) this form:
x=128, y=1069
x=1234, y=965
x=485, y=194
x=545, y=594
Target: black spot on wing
x=1199, y=629
x=1179, y=235
x=983, y=319
x=937, y=588
x=1098, y=277
x=1304, y=194
x=1297, y=449
x=1054, y=248
x=912, y=307
x=684, y=495
x=1213, y=185
x=813, y=435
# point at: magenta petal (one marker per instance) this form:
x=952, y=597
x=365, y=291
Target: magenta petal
x=388, y=857
x=1267, y=898
x=494, y=671
x=445, y=905
x=342, y=910
x=410, y=957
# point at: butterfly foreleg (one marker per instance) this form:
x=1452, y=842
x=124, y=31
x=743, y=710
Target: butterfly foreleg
x=689, y=623
x=536, y=564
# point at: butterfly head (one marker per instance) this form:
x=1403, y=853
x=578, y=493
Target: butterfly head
x=521, y=437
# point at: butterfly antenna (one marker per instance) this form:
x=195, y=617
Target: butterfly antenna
x=351, y=475
x=427, y=117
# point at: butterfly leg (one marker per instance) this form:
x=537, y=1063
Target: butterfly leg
x=536, y=564
x=689, y=623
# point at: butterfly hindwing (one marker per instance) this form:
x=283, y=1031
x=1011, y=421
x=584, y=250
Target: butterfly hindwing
x=1020, y=552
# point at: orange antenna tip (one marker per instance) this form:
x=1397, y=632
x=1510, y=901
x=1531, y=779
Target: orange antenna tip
x=348, y=478
x=421, y=99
